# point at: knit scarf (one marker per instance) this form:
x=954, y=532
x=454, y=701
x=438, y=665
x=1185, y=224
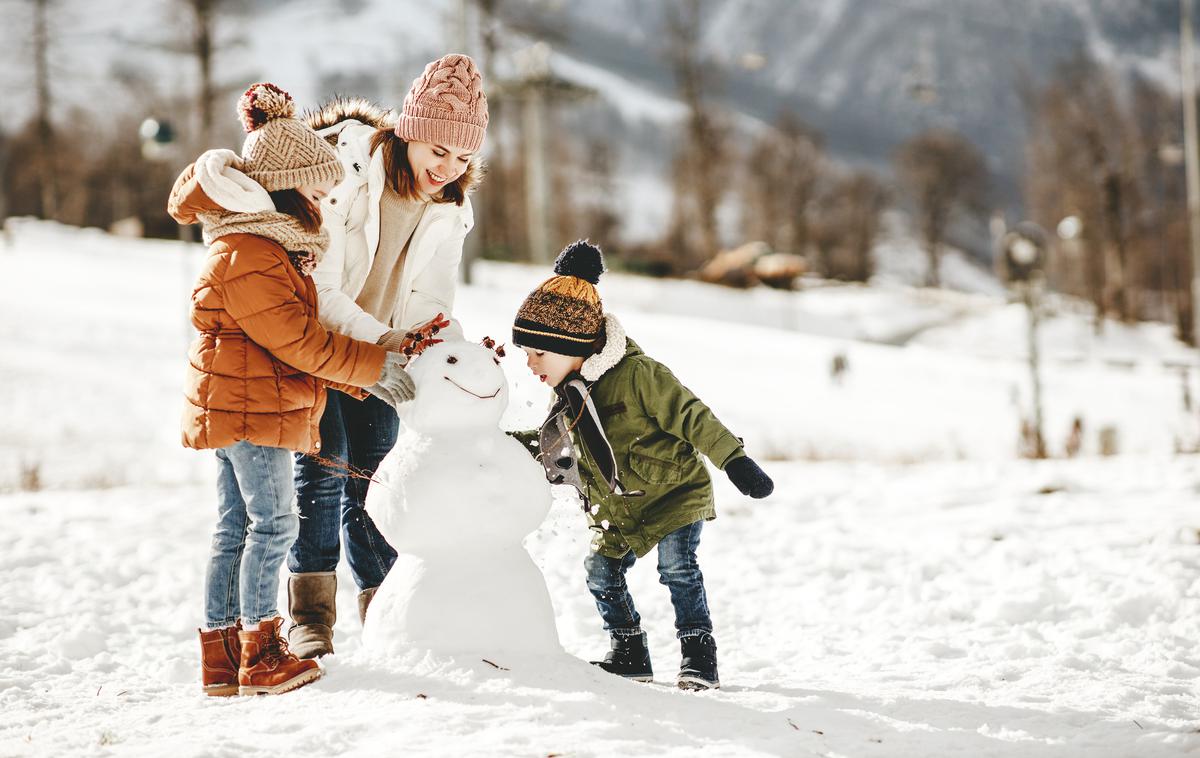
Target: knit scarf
x=304, y=248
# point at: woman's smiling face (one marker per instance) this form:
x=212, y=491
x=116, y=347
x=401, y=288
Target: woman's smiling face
x=434, y=166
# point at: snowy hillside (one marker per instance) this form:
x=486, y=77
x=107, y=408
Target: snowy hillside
x=932, y=374
x=910, y=590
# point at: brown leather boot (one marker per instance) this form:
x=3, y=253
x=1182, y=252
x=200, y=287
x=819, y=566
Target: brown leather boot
x=220, y=654
x=364, y=600
x=312, y=606
x=268, y=667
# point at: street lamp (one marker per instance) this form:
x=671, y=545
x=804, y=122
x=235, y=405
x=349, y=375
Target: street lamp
x=1070, y=228
x=157, y=137
x=1024, y=255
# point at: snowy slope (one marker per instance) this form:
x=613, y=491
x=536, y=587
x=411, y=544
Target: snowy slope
x=951, y=394
x=895, y=603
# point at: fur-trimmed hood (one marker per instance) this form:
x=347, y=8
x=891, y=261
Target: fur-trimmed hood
x=611, y=354
x=341, y=109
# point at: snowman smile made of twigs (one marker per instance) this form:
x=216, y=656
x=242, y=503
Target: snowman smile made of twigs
x=469, y=392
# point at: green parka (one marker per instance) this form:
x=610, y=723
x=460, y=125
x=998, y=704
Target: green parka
x=657, y=430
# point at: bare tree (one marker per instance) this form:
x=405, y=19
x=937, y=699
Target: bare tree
x=781, y=184
x=202, y=48
x=599, y=218
x=1160, y=263
x=43, y=104
x=943, y=174
x=1083, y=160
x=699, y=171
x=848, y=213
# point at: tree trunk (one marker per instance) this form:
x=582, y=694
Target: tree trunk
x=48, y=178
x=203, y=38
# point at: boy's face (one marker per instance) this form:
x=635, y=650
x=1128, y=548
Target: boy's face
x=551, y=368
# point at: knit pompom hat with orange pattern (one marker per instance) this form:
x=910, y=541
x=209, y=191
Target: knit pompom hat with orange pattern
x=564, y=314
x=281, y=152
x=446, y=105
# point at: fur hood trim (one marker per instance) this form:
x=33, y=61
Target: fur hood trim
x=341, y=109
x=614, y=350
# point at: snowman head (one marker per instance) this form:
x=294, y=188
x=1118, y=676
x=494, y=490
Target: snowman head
x=459, y=385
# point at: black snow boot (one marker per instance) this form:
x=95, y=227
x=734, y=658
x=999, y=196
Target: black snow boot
x=629, y=657
x=698, y=671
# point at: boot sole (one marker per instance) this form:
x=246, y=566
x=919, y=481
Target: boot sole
x=221, y=690
x=308, y=677
x=696, y=684
x=631, y=677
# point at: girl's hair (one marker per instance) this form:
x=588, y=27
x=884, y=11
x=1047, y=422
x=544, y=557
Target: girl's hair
x=299, y=207
x=399, y=171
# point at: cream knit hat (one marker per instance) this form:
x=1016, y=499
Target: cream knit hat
x=282, y=152
x=446, y=105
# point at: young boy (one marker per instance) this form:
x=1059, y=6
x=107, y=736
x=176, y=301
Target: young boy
x=628, y=435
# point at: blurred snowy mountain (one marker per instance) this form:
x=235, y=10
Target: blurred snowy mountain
x=865, y=73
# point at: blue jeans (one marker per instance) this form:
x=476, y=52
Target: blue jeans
x=359, y=433
x=677, y=568
x=256, y=524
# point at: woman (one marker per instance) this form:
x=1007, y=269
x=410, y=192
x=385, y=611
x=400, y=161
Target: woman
x=257, y=374
x=396, y=227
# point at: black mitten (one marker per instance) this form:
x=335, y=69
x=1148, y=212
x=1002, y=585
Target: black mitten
x=749, y=478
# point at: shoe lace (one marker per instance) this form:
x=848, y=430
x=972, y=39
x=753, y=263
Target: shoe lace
x=275, y=650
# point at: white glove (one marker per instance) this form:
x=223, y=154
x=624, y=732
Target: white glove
x=395, y=386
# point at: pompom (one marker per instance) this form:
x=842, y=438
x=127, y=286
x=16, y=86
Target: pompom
x=581, y=259
x=263, y=102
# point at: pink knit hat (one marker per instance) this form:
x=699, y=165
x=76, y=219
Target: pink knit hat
x=446, y=105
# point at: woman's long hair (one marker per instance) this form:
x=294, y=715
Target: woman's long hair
x=399, y=171
x=299, y=207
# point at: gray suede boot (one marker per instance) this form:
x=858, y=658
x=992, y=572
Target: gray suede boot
x=313, y=608
x=364, y=599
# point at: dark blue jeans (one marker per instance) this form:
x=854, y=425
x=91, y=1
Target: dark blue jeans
x=677, y=568
x=359, y=433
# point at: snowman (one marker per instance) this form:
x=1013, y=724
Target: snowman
x=455, y=498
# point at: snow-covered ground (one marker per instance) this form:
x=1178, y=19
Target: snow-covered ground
x=912, y=589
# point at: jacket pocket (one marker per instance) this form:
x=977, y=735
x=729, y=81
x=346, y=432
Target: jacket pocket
x=654, y=470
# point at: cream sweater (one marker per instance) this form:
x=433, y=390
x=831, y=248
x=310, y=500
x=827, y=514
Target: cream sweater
x=398, y=219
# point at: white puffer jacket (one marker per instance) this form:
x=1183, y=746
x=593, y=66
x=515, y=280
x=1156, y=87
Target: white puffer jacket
x=351, y=215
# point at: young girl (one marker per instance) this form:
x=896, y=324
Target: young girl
x=397, y=225
x=257, y=374
x=628, y=435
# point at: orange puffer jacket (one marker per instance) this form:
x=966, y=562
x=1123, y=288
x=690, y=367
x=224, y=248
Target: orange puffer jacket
x=261, y=363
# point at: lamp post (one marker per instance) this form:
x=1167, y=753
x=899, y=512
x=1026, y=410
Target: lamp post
x=158, y=137
x=1191, y=153
x=1024, y=251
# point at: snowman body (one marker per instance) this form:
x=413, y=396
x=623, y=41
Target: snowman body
x=457, y=506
